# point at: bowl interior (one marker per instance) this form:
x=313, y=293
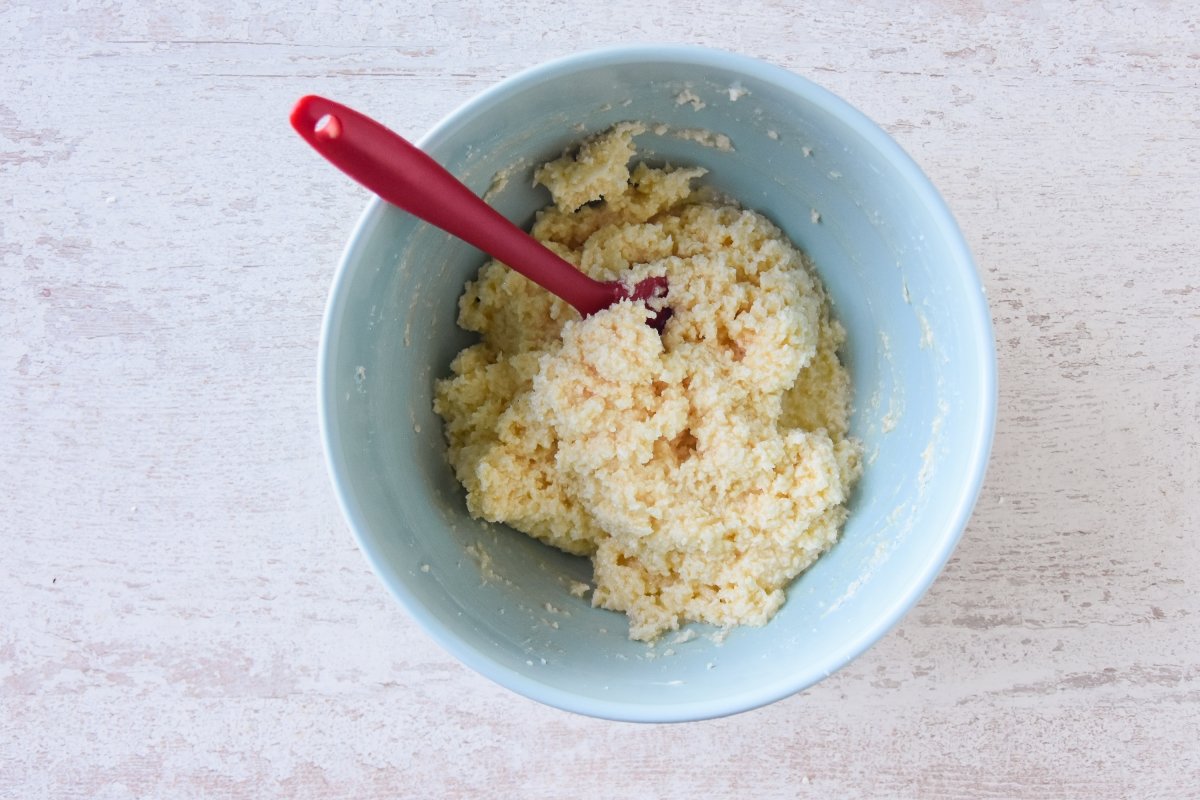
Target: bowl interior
x=919, y=348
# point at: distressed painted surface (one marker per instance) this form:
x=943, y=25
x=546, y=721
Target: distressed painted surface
x=186, y=614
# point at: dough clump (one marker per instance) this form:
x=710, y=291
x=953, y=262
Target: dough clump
x=700, y=470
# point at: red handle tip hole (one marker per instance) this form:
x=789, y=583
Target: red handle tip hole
x=328, y=127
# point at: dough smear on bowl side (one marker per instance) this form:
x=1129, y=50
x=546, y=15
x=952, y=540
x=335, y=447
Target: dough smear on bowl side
x=700, y=470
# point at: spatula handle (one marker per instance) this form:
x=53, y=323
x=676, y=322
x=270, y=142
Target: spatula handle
x=403, y=175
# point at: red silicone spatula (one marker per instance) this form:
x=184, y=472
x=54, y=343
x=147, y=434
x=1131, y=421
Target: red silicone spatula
x=398, y=172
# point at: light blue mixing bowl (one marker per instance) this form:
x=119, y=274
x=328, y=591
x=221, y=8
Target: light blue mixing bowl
x=920, y=349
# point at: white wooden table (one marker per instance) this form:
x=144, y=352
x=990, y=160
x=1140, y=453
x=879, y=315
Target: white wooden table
x=184, y=612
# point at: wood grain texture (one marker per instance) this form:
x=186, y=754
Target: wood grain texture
x=185, y=614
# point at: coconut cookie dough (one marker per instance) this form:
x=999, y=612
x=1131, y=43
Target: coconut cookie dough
x=701, y=470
